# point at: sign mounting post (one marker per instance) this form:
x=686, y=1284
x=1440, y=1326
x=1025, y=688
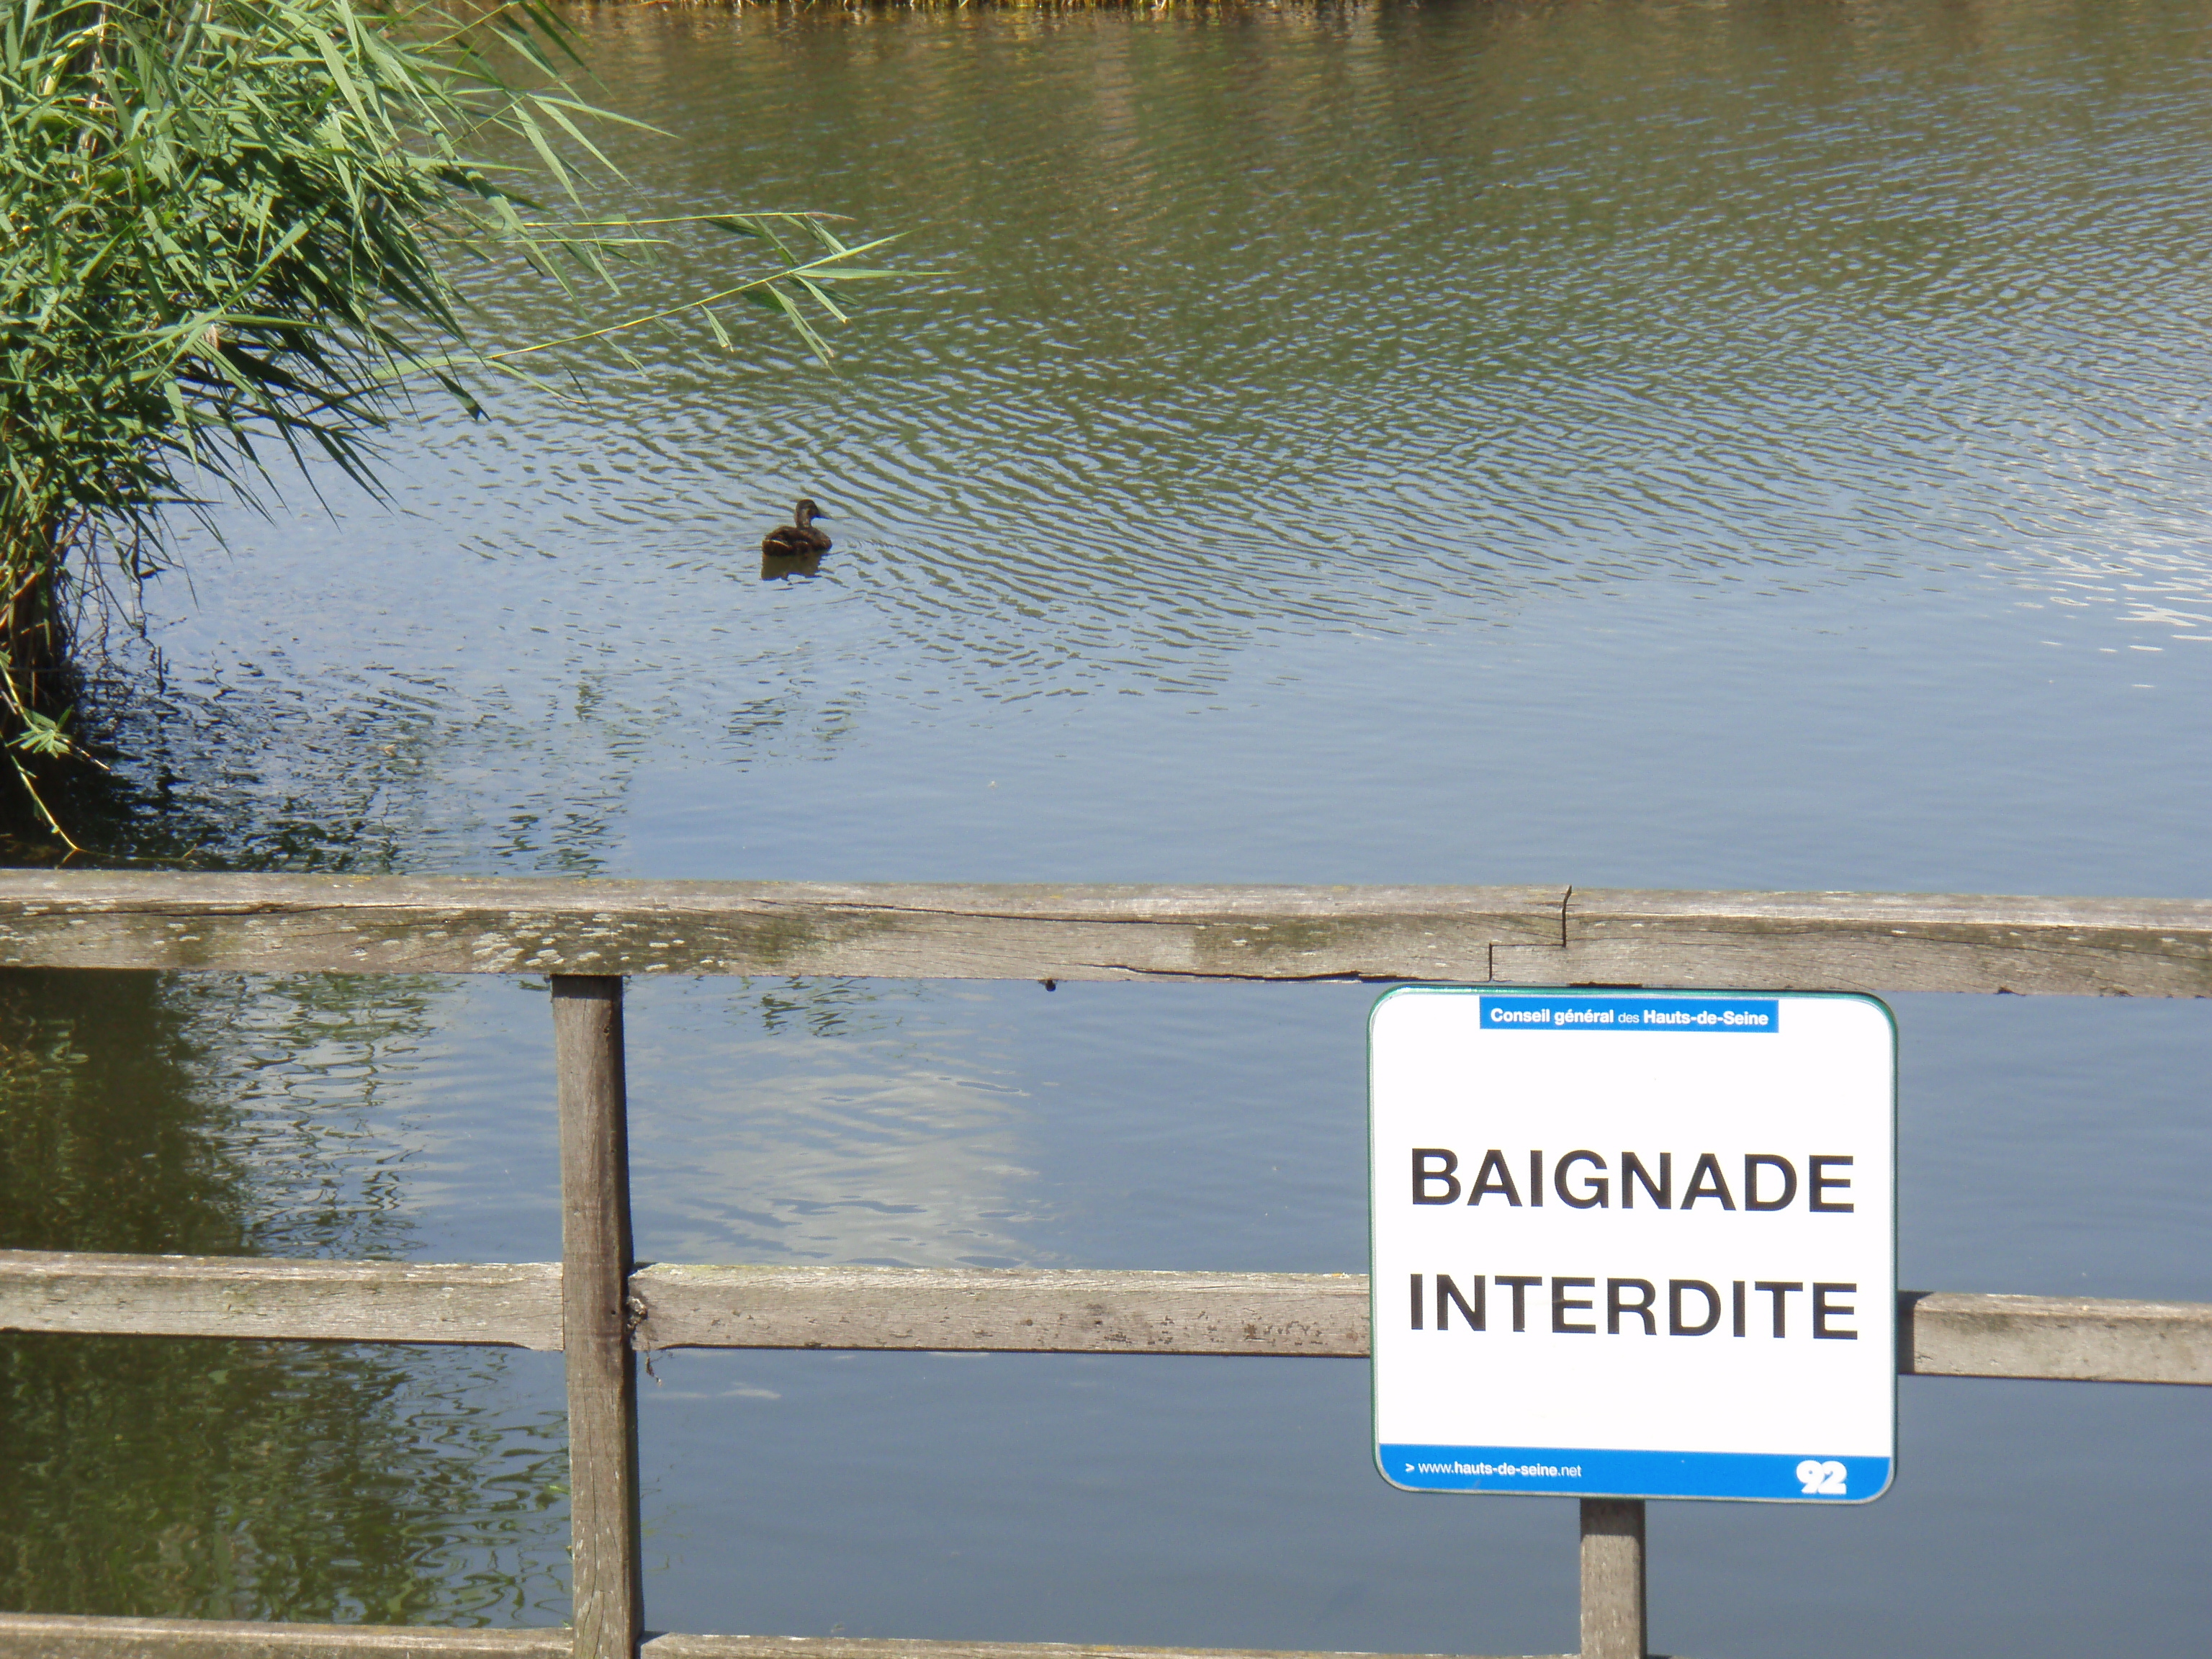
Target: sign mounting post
x=1634, y=1244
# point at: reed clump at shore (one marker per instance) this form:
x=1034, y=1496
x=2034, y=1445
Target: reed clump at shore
x=240, y=238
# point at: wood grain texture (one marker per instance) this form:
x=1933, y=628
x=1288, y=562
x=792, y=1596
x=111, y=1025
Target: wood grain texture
x=1513, y=935
x=1013, y=1310
x=1006, y=1310
x=604, y=1547
x=1875, y=942
x=2074, y=1340
x=384, y=924
x=1612, y=1598
x=1320, y=1316
x=515, y=1305
x=834, y=1647
x=54, y=1636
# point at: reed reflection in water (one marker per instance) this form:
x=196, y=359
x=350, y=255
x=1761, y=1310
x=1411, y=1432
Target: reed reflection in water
x=156, y=1114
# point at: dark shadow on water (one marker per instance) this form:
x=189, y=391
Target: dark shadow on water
x=185, y=779
x=781, y=567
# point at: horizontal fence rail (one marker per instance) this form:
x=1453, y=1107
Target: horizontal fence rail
x=57, y=1636
x=497, y=1303
x=1475, y=935
x=38, y=1636
x=1003, y=1311
x=962, y=1309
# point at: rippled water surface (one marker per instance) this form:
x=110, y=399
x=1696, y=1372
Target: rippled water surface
x=1714, y=445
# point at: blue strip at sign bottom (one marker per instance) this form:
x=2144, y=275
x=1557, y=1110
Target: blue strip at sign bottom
x=1600, y=1473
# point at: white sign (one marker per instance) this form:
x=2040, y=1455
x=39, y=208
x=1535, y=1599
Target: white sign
x=1634, y=1244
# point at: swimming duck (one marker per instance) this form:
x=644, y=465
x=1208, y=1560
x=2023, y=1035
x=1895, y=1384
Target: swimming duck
x=800, y=538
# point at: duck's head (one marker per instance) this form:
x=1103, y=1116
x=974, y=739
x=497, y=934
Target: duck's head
x=805, y=512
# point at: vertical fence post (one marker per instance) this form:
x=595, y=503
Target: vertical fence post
x=1612, y=1578
x=595, y=1266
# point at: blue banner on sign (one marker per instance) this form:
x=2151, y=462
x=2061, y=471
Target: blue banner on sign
x=1750, y=1475
x=1630, y=1013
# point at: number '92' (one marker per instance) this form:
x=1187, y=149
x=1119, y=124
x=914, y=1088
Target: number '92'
x=1821, y=1478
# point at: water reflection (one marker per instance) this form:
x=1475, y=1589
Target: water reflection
x=833, y=1121
x=273, y=1481
x=261, y=1480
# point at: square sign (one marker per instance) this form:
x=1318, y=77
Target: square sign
x=1634, y=1244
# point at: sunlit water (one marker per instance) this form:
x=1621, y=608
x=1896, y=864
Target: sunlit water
x=1654, y=445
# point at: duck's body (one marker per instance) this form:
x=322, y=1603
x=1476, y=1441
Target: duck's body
x=799, y=538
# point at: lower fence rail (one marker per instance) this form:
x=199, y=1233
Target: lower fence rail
x=44, y=1636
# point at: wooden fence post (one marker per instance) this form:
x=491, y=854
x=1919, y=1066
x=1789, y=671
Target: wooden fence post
x=595, y=1266
x=1612, y=1578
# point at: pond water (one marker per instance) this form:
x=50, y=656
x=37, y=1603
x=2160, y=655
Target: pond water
x=1644, y=444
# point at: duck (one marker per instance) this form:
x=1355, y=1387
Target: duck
x=799, y=538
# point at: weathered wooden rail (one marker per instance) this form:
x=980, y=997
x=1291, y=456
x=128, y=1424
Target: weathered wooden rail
x=958, y=1311
x=52, y=1635
x=598, y=1307
x=1501, y=935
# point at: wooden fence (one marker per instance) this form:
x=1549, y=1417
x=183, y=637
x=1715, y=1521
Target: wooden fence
x=598, y=1307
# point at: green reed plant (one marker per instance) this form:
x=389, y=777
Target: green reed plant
x=238, y=235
